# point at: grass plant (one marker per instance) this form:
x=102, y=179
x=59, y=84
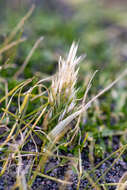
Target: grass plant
x=50, y=110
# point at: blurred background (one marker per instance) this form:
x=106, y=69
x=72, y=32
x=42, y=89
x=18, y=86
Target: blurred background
x=100, y=27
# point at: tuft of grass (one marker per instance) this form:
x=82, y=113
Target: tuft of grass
x=59, y=108
x=51, y=110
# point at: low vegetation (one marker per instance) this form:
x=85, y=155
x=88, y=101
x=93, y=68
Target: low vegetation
x=63, y=110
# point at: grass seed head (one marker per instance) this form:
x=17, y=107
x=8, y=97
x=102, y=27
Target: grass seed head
x=63, y=83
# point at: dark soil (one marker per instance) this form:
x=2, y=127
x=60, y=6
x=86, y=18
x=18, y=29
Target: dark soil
x=112, y=176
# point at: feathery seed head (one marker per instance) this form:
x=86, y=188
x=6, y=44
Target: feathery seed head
x=63, y=83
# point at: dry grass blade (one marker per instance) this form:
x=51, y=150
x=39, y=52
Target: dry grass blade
x=19, y=26
x=94, y=185
x=106, y=89
x=12, y=44
x=80, y=170
x=80, y=115
x=35, y=123
x=21, y=69
x=12, y=92
x=55, y=179
x=10, y=135
x=21, y=180
x=122, y=151
x=122, y=185
x=4, y=167
x=6, y=92
x=16, y=88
